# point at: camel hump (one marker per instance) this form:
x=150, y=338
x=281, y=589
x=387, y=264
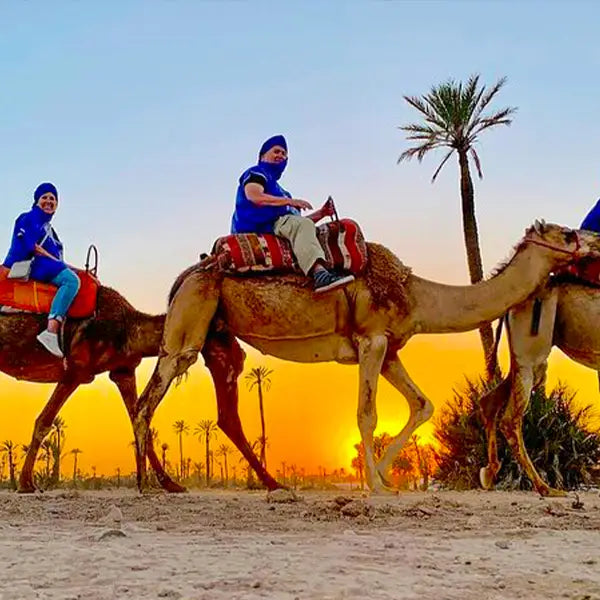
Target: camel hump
x=342, y=241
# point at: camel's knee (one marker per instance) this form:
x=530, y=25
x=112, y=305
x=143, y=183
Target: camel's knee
x=367, y=422
x=509, y=426
x=492, y=402
x=426, y=410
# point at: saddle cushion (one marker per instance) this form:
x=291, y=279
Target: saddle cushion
x=586, y=270
x=342, y=241
x=36, y=297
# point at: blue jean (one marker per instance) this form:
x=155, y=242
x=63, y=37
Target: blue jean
x=68, y=285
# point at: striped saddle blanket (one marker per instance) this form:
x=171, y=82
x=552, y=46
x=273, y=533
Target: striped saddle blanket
x=342, y=241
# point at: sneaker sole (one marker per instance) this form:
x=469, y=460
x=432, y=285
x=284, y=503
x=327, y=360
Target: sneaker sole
x=51, y=350
x=335, y=284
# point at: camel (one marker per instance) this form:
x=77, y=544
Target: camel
x=565, y=313
x=115, y=340
x=366, y=323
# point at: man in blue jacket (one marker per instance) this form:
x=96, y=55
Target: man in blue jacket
x=263, y=206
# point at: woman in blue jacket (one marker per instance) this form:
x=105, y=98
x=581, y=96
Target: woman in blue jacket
x=34, y=239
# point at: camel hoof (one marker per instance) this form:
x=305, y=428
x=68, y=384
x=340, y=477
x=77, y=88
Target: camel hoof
x=26, y=488
x=174, y=488
x=552, y=493
x=486, y=479
x=382, y=486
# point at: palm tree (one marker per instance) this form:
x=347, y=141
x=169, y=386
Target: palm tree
x=75, y=452
x=454, y=119
x=198, y=468
x=48, y=451
x=260, y=377
x=164, y=447
x=206, y=429
x=181, y=427
x=224, y=451
x=358, y=463
x=8, y=447
x=58, y=435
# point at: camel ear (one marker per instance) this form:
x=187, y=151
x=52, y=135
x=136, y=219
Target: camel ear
x=538, y=226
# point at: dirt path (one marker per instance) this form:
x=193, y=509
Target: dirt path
x=236, y=545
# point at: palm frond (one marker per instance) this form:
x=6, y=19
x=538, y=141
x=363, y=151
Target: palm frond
x=477, y=162
x=441, y=165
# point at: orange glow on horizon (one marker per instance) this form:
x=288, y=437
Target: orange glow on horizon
x=310, y=409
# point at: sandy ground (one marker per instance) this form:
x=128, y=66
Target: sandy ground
x=326, y=546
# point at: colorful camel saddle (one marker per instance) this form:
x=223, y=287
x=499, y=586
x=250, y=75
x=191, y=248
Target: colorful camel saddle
x=342, y=241
x=587, y=271
x=36, y=297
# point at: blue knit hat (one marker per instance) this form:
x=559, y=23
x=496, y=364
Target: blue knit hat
x=44, y=188
x=276, y=140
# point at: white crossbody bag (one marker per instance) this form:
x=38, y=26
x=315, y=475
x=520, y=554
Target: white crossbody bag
x=22, y=268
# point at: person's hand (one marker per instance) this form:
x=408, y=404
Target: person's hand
x=328, y=209
x=300, y=204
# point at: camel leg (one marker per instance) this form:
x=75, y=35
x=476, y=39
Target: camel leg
x=511, y=425
x=419, y=405
x=186, y=327
x=371, y=353
x=42, y=427
x=125, y=381
x=491, y=405
x=529, y=355
x=224, y=359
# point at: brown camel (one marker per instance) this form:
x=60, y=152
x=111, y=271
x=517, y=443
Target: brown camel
x=367, y=323
x=568, y=314
x=115, y=340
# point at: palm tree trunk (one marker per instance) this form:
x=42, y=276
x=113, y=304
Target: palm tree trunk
x=11, y=470
x=226, y=470
x=74, y=467
x=180, y=456
x=207, y=460
x=57, y=459
x=263, y=441
x=473, y=249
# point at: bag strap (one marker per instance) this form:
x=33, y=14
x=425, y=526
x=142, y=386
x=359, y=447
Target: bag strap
x=48, y=232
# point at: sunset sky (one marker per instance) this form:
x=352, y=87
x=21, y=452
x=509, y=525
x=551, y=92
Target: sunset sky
x=145, y=113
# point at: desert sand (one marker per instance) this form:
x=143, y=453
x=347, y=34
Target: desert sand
x=230, y=545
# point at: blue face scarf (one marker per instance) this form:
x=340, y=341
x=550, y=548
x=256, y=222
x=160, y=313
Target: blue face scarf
x=275, y=170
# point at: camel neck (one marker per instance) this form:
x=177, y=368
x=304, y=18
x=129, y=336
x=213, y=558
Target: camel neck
x=147, y=334
x=446, y=309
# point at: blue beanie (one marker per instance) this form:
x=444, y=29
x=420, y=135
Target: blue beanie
x=44, y=188
x=276, y=140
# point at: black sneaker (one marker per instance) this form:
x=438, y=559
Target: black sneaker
x=326, y=280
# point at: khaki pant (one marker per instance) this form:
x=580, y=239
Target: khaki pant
x=302, y=233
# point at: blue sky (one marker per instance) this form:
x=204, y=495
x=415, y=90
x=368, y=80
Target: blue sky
x=145, y=113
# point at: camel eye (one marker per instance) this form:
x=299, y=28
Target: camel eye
x=570, y=236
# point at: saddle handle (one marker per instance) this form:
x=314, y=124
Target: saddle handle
x=94, y=270
x=334, y=217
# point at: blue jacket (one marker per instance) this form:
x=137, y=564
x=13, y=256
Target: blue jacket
x=592, y=220
x=252, y=218
x=30, y=228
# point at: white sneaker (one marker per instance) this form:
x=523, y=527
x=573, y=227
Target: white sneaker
x=50, y=341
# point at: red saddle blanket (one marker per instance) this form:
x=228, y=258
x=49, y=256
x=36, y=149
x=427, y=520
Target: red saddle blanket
x=36, y=297
x=342, y=241
x=587, y=270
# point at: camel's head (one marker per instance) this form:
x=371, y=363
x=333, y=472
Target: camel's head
x=572, y=244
